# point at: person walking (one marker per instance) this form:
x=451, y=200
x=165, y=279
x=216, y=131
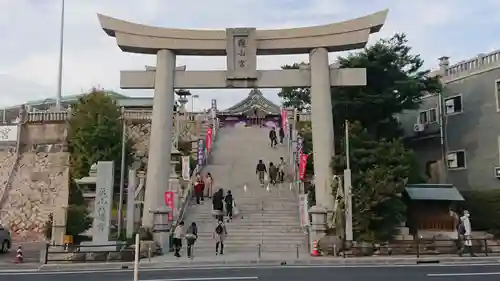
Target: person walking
x=220, y=234
x=209, y=183
x=273, y=137
x=261, y=171
x=281, y=170
x=282, y=135
x=218, y=204
x=199, y=186
x=229, y=200
x=191, y=236
x=273, y=173
x=177, y=239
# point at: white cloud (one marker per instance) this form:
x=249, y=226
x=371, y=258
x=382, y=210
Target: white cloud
x=29, y=49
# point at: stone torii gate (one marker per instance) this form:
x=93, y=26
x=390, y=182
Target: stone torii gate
x=241, y=46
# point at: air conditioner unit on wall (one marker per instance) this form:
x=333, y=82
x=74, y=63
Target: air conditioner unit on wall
x=497, y=172
x=418, y=127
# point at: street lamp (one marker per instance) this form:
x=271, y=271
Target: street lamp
x=193, y=97
x=60, y=69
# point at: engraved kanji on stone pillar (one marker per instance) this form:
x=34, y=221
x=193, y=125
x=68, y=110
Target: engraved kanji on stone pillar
x=241, y=54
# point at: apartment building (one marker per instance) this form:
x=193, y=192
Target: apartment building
x=465, y=134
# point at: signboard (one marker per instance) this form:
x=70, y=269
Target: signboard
x=186, y=168
x=103, y=202
x=169, y=202
x=302, y=166
x=300, y=142
x=201, y=152
x=303, y=210
x=209, y=139
x=8, y=133
x=213, y=108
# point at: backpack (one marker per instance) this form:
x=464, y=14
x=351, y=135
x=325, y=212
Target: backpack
x=461, y=229
x=219, y=229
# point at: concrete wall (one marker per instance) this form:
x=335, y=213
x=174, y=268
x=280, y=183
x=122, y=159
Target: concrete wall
x=476, y=130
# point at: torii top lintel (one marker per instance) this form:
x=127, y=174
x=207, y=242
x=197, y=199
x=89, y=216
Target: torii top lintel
x=342, y=36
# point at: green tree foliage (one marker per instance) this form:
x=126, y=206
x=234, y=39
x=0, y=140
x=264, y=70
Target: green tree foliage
x=395, y=82
x=381, y=170
x=94, y=134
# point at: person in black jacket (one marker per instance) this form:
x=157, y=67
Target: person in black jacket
x=191, y=236
x=218, y=204
x=282, y=135
x=229, y=205
x=273, y=137
x=261, y=171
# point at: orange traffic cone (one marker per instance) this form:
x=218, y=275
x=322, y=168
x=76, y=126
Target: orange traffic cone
x=314, y=251
x=19, y=255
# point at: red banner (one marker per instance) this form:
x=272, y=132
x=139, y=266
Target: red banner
x=302, y=166
x=169, y=202
x=283, y=119
x=209, y=140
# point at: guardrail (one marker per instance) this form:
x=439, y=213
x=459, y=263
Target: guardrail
x=416, y=247
x=87, y=253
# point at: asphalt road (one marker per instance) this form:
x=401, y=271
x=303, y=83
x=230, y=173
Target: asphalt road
x=278, y=273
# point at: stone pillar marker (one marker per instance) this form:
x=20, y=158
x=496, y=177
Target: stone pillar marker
x=131, y=186
x=322, y=126
x=159, y=167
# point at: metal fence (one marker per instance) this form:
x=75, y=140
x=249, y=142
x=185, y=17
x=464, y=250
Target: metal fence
x=87, y=253
x=416, y=247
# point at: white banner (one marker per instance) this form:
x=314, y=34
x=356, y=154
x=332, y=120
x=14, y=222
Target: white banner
x=186, y=168
x=8, y=133
x=304, y=212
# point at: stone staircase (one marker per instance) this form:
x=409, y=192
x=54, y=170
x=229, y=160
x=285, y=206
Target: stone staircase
x=39, y=187
x=268, y=220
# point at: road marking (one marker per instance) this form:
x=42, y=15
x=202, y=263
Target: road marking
x=162, y=268
x=206, y=278
x=463, y=274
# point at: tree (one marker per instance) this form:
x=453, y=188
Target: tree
x=299, y=98
x=380, y=171
x=94, y=134
x=395, y=82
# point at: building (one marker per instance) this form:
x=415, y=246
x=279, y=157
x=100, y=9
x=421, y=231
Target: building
x=254, y=110
x=468, y=138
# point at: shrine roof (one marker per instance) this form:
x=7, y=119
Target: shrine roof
x=254, y=100
x=433, y=192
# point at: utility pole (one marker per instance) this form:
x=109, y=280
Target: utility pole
x=60, y=68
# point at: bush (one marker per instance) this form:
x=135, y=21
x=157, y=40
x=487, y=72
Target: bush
x=484, y=207
x=78, y=220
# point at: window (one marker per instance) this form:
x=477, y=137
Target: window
x=428, y=116
x=453, y=105
x=456, y=159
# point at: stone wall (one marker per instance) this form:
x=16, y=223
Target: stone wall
x=40, y=187
x=44, y=133
x=7, y=162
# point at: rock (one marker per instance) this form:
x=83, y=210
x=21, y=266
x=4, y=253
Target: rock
x=148, y=248
x=97, y=256
x=124, y=255
x=330, y=245
x=76, y=257
x=444, y=245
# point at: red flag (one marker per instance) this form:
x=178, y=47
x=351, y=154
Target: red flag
x=169, y=202
x=209, y=139
x=283, y=118
x=302, y=166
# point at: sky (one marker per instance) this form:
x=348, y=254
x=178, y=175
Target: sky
x=29, y=37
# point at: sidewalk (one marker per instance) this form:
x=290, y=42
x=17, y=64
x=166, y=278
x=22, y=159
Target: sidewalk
x=235, y=261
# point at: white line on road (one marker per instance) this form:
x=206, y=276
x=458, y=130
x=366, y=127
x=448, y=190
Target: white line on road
x=207, y=278
x=463, y=274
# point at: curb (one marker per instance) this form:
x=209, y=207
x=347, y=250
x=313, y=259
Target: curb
x=274, y=262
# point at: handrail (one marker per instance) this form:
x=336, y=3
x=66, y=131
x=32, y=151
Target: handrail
x=8, y=184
